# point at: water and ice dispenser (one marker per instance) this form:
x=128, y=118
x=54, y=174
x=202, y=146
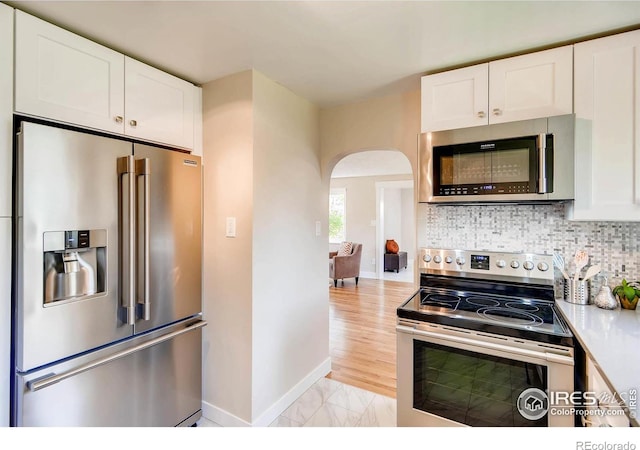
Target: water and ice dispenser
x=74, y=264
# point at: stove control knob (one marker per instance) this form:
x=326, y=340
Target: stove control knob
x=426, y=258
x=460, y=261
x=501, y=263
x=543, y=267
x=515, y=264
x=528, y=265
x=448, y=259
x=437, y=259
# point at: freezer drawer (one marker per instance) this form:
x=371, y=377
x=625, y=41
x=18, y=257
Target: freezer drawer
x=153, y=380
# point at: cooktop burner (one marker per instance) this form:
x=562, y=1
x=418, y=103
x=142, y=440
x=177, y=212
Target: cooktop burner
x=511, y=316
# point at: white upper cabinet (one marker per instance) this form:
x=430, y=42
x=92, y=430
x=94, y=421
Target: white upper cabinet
x=518, y=88
x=455, y=99
x=607, y=145
x=158, y=106
x=65, y=77
x=6, y=118
x=530, y=86
x=70, y=79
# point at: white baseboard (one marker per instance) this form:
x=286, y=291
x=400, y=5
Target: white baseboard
x=226, y=419
x=272, y=413
x=368, y=275
x=222, y=417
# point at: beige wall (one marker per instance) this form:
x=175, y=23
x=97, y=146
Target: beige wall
x=227, y=269
x=408, y=231
x=265, y=291
x=391, y=122
x=290, y=301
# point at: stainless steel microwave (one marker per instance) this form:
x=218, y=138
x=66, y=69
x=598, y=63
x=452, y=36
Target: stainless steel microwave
x=524, y=161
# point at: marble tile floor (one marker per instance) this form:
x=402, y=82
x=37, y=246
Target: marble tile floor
x=329, y=403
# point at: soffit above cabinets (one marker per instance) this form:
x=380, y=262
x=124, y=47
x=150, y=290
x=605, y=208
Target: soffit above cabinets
x=330, y=52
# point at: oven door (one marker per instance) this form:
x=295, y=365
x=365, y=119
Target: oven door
x=454, y=377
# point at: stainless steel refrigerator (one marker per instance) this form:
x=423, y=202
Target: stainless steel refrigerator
x=107, y=319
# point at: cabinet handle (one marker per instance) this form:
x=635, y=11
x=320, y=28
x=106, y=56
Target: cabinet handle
x=118, y=119
x=133, y=123
x=481, y=114
x=497, y=111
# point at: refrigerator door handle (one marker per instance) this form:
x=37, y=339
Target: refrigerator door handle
x=126, y=172
x=49, y=379
x=143, y=172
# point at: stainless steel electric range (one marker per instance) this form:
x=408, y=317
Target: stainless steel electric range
x=481, y=343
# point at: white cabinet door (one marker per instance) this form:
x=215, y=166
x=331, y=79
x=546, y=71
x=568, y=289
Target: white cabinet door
x=607, y=145
x=6, y=109
x=5, y=315
x=455, y=99
x=159, y=107
x=65, y=77
x=530, y=86
x=606, y=412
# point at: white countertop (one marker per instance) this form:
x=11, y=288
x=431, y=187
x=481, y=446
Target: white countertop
x=611, y=339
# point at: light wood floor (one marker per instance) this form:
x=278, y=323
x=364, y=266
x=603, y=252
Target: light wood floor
x=362, y=333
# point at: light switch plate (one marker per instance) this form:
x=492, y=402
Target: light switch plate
x=231, y=227
x=318, y=227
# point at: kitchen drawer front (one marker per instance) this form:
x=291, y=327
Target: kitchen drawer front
x=156, y=386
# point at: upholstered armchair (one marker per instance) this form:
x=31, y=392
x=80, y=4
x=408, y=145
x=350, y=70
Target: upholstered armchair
x=347, y=266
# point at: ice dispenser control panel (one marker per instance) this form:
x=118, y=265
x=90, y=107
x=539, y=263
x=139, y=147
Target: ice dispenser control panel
x=77, y=239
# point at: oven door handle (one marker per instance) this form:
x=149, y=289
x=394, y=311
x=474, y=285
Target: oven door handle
x=546, y=355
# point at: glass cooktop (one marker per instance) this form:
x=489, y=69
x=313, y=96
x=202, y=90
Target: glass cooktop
x=526, y=318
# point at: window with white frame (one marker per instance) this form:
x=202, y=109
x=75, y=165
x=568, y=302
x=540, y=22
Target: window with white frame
x=337, y=215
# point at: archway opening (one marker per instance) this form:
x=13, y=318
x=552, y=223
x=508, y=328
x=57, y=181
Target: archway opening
x=372, y=201
x=378, y=204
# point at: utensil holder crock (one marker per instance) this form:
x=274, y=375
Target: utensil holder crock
x=577, y=291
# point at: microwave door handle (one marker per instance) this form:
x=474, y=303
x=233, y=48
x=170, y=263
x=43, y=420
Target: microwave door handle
x=126, y=173
x=143, y=172
x=542, y=164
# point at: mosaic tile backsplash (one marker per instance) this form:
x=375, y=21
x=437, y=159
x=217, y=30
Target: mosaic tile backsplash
x=533, y=229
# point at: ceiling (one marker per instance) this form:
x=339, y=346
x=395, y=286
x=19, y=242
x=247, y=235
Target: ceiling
x=372, y=163
x=330, y=52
